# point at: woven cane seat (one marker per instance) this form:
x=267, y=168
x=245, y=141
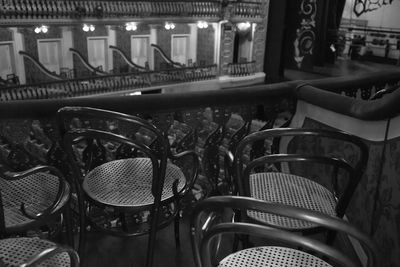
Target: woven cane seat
x=272, y=257
x=16, y=251
x=127, y=182
x=38, y=192
x=290, y=190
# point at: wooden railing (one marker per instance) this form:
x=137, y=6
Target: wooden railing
x=106, y=84
x=242, y=69
x=95, y=9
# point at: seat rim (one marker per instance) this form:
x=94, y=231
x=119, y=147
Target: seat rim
x=30, y=223
x=232, y=261
x=25, y=242
x=166, y=198
x=291, y=225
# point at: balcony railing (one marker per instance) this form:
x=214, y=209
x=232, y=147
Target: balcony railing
x=95, y=9
x=106, y=84
x=213, y=121
x=242, y=69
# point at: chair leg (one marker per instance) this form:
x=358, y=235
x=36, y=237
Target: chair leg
x=152, y=237
x=82, y=230
x=176, y=228
x=68, y=226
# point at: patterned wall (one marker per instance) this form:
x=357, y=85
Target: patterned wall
x=124, y=43
x=5, y=35
x=205, y=45
x=33, y=74
x=80, y=44
x=164, y=41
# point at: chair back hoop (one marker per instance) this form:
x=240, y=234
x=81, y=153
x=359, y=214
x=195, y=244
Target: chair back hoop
x=70, y=136
x=292, y=132
x=202, y=253
x=51, y=252
x=88, y=112
x=94, y=113
x=14, y=176
x=277, y=158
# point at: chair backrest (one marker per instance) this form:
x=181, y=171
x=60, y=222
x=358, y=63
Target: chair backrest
x=355, y=170
x=100, y=122
x=202, y=237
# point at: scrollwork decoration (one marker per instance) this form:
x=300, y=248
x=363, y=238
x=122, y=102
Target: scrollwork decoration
x=305, y=35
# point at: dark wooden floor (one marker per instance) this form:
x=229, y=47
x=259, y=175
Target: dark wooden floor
x=104, y=250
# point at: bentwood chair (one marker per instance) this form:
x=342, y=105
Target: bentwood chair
x=23, y=251
x=256, y=178
x=278, y=247
x=128, y=183
x=31, y=200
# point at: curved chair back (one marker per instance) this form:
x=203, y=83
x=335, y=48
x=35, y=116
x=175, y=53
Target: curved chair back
x=201, y=239
x=355, y=170
x=72, y=137
x=128, y=126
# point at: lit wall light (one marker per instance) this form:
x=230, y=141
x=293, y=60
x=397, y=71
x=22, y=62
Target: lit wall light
x=202, y=24
x=131, y=26
x=243, y=26
x=169, y=26
x=87, y=28
x=43, y=29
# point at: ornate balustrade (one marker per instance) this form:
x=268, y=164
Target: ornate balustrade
x=106, y=84
x=242, y=69
x=95, y=9
x=212, y=122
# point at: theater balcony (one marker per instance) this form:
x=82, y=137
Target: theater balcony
x=126, y=56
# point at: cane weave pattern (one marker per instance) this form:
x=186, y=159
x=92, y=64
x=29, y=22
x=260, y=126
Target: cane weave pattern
x=16, y=251
x=37, y=191
x=290, y=190
x=272, y=257
x=127, y=182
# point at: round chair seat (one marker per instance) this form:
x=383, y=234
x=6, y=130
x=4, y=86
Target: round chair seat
x=290, y=190
x=16, y=251
x=272, y=257
x=38, y=192
x=128, y=182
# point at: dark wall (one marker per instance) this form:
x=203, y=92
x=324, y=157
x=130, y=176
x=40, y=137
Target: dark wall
x=5, y=35
x=205, y=45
